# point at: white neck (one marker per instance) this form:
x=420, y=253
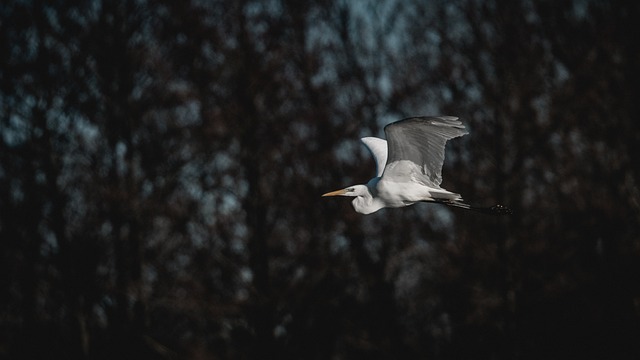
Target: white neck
x=364, y=202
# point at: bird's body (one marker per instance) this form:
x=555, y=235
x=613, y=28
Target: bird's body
x=409, y=166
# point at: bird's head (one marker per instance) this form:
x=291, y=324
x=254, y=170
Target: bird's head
x=355, y=190
x=363, y=203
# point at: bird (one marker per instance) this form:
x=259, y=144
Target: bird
x=409, y=167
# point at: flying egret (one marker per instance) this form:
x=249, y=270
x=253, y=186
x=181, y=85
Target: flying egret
x=409, y=167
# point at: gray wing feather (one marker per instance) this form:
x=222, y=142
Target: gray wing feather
x=420, y=140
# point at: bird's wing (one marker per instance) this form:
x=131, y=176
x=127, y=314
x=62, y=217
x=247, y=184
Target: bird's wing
x=378, y=148
x=416, y=148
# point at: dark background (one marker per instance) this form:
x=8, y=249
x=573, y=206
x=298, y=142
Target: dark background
x=161, y=166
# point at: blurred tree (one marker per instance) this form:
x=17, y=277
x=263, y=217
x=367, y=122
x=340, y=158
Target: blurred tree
x=161, y=165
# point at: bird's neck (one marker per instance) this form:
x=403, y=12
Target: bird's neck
x=366, y=203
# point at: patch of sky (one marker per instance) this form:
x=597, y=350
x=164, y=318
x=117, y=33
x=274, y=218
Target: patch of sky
x=229, y=202
x=181, y=261
x=374, y=244
x=350, y=96
x=576, y=141
x=215, y=57
x=530, y=13
x=345, y=151
x=246, y=275
x=581, y=9
x=541, y=105
x=83, y=17
x=50, y=244
x=141, y=86
x=458, y=30
x=302, y=130
x=17, y=133
x=237, y=243
x=220, y=162
x=443, y=218
x=338, y=244
x=229, y=182
x=121, y=163
x=258, y=15
x=188, y=114
x=28, y=50
x=189, y=180
x=198, y=234
x=150, y=277
x=320, y=37
x=76, y=209
x=208, y=208
x=87, y=136
x=106, y=229
x=560, y=71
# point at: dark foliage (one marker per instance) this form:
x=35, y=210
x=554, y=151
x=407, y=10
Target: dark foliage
x=161, y=165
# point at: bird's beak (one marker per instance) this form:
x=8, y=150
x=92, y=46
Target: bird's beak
x=336, y=193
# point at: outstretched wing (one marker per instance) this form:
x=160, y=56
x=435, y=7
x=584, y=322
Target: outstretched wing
x=378, y=148
x=416, y=148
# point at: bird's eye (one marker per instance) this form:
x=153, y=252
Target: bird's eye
x=350, y=190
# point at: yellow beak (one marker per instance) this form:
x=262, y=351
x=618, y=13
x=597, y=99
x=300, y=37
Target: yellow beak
x=336, y=193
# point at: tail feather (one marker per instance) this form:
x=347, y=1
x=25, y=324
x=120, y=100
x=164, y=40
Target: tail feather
x=493, y=210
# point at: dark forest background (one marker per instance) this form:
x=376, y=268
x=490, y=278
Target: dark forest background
x=161, y=166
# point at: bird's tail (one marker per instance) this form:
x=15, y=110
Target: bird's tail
x=493, y=210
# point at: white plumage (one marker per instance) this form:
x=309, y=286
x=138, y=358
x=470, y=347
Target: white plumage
x=409, y=167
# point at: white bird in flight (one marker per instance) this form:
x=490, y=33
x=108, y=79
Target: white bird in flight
x=409, y=167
